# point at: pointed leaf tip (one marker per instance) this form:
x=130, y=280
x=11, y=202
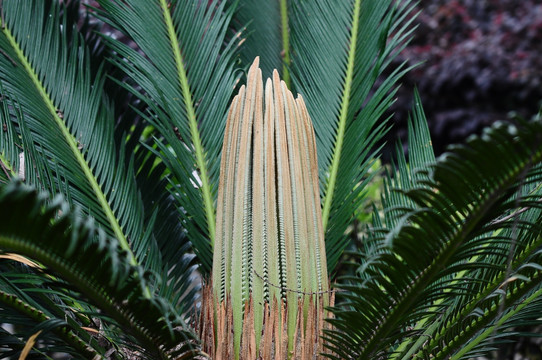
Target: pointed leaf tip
x=269, y=240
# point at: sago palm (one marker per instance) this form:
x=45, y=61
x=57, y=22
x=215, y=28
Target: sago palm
x=133, y=181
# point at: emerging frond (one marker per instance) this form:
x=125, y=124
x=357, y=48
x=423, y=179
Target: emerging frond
x=270, y=252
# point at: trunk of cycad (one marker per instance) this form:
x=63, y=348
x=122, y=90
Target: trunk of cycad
x=269, y=281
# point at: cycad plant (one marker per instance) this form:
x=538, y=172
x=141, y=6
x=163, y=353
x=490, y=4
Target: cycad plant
x=115, y=209
x=269, y=255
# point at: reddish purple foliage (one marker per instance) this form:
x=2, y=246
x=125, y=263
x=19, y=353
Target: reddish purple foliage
x=481, y=61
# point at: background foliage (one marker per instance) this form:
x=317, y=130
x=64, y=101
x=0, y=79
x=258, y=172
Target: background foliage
x=481, y=65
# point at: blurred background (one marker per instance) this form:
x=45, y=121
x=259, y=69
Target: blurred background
x=480, y=61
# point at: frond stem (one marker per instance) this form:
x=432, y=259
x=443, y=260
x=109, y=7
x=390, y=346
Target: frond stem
x=328, y=197
x=285, y=42
x=201, y=164
x=73, y=144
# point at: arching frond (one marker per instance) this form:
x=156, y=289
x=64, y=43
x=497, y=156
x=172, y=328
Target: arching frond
x=60, y=136
x=463, y=260
x=185, y=77
x=339, y=51
x=57, y=104
x=263, y=34
x=70, y=247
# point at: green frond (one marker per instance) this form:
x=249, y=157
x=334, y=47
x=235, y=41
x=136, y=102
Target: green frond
x=165, y=248
x=25, y=307
x=262, y=34
x=174, y=260
x=339, y=51
x=46, y=75
x=69, y=246
x=464, y=258
x=420, y=147
x=509, y=288
x=401, y=177
x=404, y=174
x=9, y=152
x=185, y=78
x=514, y=325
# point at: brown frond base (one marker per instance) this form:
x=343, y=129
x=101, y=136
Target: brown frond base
x=214, y=325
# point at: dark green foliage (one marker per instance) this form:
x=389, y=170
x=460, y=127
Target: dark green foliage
x=96, y=270
x=121, y=110
x=186, y=98
x=459, y=251
x=340, y=53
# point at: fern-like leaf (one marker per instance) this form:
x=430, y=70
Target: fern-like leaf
x=70, y=247
x=185, y=78
x=462, y=259
x=46, y=73
x=339, y=50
